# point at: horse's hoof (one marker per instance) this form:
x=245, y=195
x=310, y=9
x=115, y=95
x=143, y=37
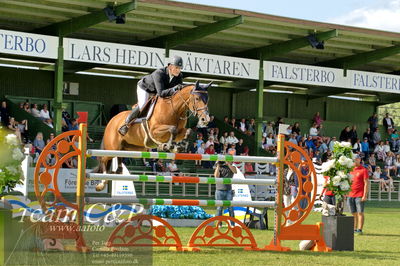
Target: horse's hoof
x=100, y=186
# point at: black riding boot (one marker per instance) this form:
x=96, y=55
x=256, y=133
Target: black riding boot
x=130, y=118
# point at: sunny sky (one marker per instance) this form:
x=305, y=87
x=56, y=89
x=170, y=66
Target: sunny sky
x=375, y=14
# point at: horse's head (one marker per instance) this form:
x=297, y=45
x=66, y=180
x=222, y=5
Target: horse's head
x=198, y=105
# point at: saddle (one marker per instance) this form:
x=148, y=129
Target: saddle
x=147, y=110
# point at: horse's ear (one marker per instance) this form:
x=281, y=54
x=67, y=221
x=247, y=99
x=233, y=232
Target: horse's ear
x=209, y=84
x=196, y=86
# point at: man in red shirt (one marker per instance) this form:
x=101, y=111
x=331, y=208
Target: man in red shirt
x=358, y=194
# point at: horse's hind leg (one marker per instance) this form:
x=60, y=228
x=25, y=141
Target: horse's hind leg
x=119, y=169
x=106, y=166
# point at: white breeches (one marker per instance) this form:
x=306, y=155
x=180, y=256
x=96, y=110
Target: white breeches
x=142, y=96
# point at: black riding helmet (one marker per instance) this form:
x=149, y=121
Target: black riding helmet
x=176, y=60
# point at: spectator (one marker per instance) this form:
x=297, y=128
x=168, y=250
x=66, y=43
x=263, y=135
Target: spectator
x=240, y=147
x=269, y=142
x=209, y=142
x=224, y=138
x=232, y=149
x=389, y=164
x=251, y=127
x=387, y=146
x=74, y=125
x=49, y=122
x=327, y=195
x=331, y=143
x=44, y=113
x=213, y=134
x=269, y=129
x=323, y=147
x=317, y=119
x=395, y=140
x=353, y=134
x=159, y=167
x=211, y=124
x=231, y=139
x=34, y=110
x=69, y=163
x=378, y=176
x=373, y=122
x=365, y=148
x=376, y=137
x=388, y=123
x=224, y=191
x=172, y=167
x=313, y=130
x=243, y=125
x=200, y=150
x=357, y=147
x=321, y=131
x=370, y=137
x=296, y=128
x=210, y=150
x=224, y=149
x=293, y=139
x=14, y=126
x=26, y=107
x=38, y=143
x=372, y=161
x=193, y=149
x=232, y=123
x=380, y=151
x=397, y=164
x=226, y=120
x=310, y=144
x=217, y=146
x=345, y=134
x=279, y=121
x=4, y=115
x=201, y=128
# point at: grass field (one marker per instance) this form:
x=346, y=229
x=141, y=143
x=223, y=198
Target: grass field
x=379, y=245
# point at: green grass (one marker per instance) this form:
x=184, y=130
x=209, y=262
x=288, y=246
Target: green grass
x=379, y=245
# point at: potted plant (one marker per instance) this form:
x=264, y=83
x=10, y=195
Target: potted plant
x=338, y=233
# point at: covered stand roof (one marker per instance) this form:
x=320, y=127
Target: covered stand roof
x=206, y=29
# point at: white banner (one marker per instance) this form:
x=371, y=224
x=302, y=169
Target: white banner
x=371, y=81
x=218, y=65
x=66, y=181
x=304, y=74
x=113, y=53
x=21, y=43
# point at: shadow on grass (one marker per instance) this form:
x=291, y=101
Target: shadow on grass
x=389, y=235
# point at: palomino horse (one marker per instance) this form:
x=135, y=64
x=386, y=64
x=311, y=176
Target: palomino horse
x=166, y=124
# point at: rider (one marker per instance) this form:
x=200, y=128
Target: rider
x=163, y=82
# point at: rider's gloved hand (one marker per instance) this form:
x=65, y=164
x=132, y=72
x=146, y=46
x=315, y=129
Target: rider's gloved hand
x=178, y=87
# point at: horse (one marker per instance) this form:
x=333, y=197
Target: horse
x=166, y=124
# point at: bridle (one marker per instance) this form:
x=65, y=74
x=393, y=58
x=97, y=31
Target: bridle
x=197, y=111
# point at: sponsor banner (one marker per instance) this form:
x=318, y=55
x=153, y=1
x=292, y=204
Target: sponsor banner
x=374, y=81
x=304, y=74
x=218, y=65
x=66, y=181
x=113, y=53
x=21, y=43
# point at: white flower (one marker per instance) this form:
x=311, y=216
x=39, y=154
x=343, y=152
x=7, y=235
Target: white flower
x=325, y=167
x=345, y=144
x=353, y=155
x=344, y=185
x=17, y=155
x=336, y=180
x=343, y=160
x=349, y=163
x=341, y=174
x=12, y=139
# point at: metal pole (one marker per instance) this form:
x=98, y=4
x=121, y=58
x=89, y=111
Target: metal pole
x=81, y=178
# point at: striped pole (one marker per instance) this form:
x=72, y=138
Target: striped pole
x=182, y=156
x=182, y=202
x=180, y=179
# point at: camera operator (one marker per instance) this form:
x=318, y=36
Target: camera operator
x=224, y=191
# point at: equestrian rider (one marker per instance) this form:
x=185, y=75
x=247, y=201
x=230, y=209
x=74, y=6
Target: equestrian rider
x=163, y=82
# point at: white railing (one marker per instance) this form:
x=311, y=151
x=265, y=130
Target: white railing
x=375, y=192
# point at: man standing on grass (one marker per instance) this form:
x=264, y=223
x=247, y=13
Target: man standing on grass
x=358, y=194
x=224, y=191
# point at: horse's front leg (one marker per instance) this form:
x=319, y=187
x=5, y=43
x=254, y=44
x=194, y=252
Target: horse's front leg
x=165, y=135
